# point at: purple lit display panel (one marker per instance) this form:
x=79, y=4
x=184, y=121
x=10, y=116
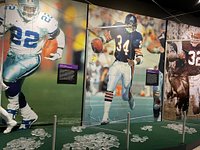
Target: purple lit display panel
x=152, y=77
x=67, y=74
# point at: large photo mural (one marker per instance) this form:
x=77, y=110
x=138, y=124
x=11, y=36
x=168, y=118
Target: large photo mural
x=182, y=72
x=121, y=46
x=38, y=38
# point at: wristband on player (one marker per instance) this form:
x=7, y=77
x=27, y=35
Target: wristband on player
x=103, y=39
x=135, y=62
x=60, y=51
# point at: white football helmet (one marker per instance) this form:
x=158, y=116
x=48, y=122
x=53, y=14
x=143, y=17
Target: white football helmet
x=28, y=9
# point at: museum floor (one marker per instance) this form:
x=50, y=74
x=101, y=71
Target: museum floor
x=144, y=136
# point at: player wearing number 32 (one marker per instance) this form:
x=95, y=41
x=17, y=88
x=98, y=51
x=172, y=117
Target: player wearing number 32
x=128, y=43
x=191, y=55
x=29, y=28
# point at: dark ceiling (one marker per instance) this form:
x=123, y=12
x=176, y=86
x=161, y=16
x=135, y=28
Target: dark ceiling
x=182, y=11
x=176, y=7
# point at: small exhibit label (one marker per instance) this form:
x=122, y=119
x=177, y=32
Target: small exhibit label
x=67, y=74
x=152, y=77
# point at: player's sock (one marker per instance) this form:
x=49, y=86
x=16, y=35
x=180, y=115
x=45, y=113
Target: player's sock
x=29, y=117
x=131, y=103
x=13, y=106
x=12, y=113
x=100, y=86
x=107, y=105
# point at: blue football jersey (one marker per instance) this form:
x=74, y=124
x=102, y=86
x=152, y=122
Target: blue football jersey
x=125, y=42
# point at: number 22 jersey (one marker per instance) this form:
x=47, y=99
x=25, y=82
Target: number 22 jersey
x=26, y=37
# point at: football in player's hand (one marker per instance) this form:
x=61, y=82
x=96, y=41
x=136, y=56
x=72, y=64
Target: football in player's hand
x=97, y=45
x=50, y=46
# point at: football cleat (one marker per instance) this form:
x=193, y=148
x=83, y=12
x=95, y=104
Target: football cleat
x=10, y=126
x=26, y=124
x=131, y=103
x=104, y=122
x=28, y=119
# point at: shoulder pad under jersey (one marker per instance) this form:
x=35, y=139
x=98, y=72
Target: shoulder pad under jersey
x=8, y=10
x=48, y=21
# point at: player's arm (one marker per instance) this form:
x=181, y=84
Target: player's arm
x=155, y=47
x=138, y=58
x=106, y=37
x=97, y=43
x=173, y=54
x=60, y=38
x=3, y=29
x=182, y=54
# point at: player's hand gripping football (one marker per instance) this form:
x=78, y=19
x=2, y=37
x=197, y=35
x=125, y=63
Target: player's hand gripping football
x=131, y=62
x=55, y=56
x=97, y=45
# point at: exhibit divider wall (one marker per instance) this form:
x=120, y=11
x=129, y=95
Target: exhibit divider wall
x=58, y=27
x=113, y=37
x=182, y=72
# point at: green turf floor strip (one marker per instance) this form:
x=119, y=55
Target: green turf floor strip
x=159, y=138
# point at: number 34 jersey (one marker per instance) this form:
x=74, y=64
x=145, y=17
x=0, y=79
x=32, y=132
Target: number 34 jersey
x=26, y=37
x=126, y=42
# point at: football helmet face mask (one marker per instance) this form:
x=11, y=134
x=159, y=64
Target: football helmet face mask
x=172, y=48
x=195, y=39
x=132, y=21
x=28, y=9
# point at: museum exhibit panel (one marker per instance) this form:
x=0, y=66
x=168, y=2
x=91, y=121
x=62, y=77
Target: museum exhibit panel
x=79, y=74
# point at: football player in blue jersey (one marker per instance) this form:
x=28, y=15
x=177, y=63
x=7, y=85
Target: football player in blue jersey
x=128, y=43
x=29, y=28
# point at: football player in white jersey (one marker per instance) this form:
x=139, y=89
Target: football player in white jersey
x=29, y=28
